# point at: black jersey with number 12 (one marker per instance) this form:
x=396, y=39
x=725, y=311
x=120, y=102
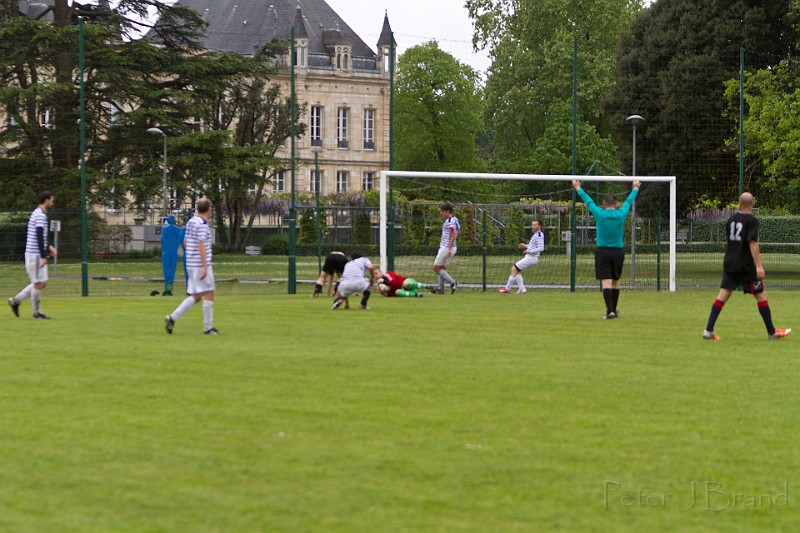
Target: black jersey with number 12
x=741, y=229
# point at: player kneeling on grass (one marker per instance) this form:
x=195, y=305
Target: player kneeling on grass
x=742, y=267
x=334, y=264
x=531, y=252
x=353, y=280
x=393, y=284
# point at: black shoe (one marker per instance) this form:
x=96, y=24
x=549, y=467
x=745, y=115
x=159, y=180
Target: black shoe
x=453, y=287
x=169, y=324
x=212, y=331
x=166, y=293
x=362, y=306
x=14, y=306
x=40, y=316
x=420, y=295
x=609, y=316
x=336, y=303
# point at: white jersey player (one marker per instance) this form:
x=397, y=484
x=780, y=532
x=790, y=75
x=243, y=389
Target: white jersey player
x=353, y=280
x=200, y=284
x=448, y=246
x=37, y=253
x=531, y=252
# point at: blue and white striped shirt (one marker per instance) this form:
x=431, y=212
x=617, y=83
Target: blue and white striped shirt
x=536, y=245
x=197, y=229
x=450, y=223
x=38, y=220
x=355, y=269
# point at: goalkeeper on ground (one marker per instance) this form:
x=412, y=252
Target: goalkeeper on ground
x=393, y=284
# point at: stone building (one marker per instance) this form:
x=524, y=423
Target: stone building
x=344, y=83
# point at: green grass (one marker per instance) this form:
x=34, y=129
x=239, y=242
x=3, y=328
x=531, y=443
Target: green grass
x=245, y=275
x=473, y=412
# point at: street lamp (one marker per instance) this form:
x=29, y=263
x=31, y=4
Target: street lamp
x=633, y=120
x=157, y=131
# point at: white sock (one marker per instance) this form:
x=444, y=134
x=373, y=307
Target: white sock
x=36, y=298
x=510, y=282
x=444, y=275
x=520, y=282
x=24, y=294
x=208, y=315
x=182, y=308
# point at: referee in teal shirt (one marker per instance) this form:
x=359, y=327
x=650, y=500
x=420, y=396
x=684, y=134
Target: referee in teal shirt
x=610, y=255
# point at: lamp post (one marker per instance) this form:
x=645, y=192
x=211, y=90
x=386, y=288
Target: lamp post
x=633, y=120
x=157, y=131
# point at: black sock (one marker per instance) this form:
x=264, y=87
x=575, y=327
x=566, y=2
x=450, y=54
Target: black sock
x=365, y=298
x=609, y=303
x=317, y=288
x=766, y=314
x=716, y=309
x=615, y=298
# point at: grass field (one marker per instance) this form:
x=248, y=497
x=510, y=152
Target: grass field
x=246, y=275
x=472, y=412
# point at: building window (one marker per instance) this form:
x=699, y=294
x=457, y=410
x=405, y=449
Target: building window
x=173, y=199
x=316, y=125
x=343, y=57
x=342, y=177
x=368, y=181
x=279, y=181
x=341, y=127
x=369, y=129
x=313, y=181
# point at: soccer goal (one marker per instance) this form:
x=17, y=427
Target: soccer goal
x=570, y=244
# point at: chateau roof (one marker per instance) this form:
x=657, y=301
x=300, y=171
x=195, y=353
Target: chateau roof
x=242, y=26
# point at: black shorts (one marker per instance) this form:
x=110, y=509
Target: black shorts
x=334, y=262
x=746, y=280
x=608, y=263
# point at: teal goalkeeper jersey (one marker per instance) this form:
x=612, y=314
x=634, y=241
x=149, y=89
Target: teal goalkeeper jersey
x=610, y=222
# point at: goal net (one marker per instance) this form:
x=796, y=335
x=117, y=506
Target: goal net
x=491, y=233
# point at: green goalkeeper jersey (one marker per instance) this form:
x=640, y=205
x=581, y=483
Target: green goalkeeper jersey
x=610, y=222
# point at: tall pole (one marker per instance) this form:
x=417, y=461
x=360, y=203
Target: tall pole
x=319, y=223
x=633, y=120
x=292, y=208
x=391, y=152
x=164, y=178
x=741, y=121
x=84, y=221
x=573, y=253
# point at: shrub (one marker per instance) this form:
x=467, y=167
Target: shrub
x=276, y=245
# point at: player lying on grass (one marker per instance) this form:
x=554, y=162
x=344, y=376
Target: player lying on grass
x=353, y=280
x=393, y=284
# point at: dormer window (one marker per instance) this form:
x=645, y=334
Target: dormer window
x=343, y=58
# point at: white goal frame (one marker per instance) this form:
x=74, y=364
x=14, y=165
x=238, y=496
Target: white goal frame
x=672, y=180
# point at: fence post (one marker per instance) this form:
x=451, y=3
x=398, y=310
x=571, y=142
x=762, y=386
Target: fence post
x=484, y=249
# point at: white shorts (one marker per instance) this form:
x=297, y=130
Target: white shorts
x=196, y=285
x=349, y=286
x=526, y=262
x=440, y=257
x=36, y=273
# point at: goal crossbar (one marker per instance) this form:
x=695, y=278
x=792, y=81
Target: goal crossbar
x=672, y=180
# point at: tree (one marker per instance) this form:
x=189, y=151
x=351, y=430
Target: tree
x=530, y=84
x=38, y=69
x=437, y=113
x=671, y=70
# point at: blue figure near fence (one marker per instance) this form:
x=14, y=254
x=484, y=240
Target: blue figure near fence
x=170, y=239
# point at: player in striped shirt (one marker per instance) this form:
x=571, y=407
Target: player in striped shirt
x=353, y=280
x=37, y=254
x=532, y=250
x=200, y=284
x=451, y=227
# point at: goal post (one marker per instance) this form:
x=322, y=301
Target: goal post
x=671, y=180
